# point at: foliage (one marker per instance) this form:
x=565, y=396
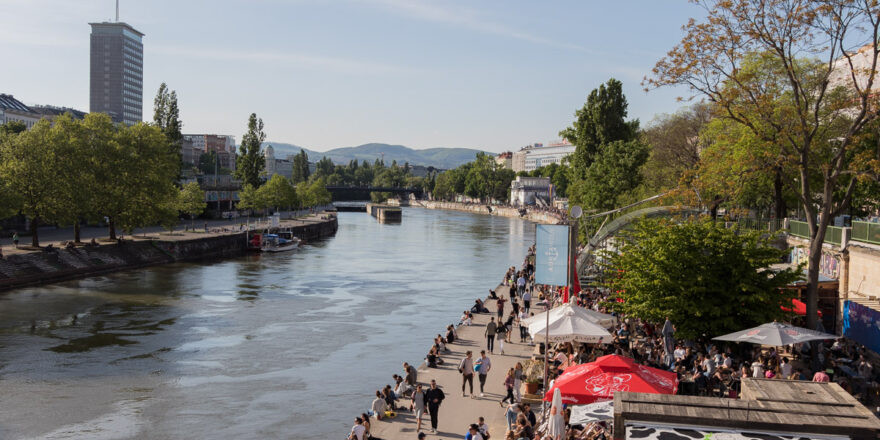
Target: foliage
x=278, y=192
x=676, y=143
x=300, y=167
x=12, y=127
x=191, y=200
x=800, y=76
x=313, y=194
x=209, y=162
x=608, y=151
x=708, y=280
x=251, y=199
x=250, y=162
x=166, y=116
x=481, y=179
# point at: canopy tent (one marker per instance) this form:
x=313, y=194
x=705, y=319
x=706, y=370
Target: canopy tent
x=596, y=381
x=775, y=333
x=568, y=325
x=593, y=412
x=602, y=319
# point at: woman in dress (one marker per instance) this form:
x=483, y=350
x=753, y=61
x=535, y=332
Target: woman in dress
x=418, y=406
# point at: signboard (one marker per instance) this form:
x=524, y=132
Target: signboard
x=860, y=323
x=551, y=255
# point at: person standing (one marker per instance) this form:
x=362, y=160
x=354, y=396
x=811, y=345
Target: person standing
x=466, y=368
x=15, y=239
x=483, y=367
x=523, y=327
x=491, y=327
x=517, y=380
x=418, y=406
x=501, y=334
x=433, y=398
x=509, y=382
x=499, y=303
x=527, y=301
x=521, y=284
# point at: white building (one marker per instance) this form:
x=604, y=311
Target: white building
x=277, y=166
x=531, y=191
x=536, y=156
x=12, y=109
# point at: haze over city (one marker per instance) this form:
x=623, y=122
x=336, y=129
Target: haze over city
x=489, y=75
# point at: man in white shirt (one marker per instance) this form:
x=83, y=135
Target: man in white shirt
x=678, y=353
x=785, y=368
x=378, y=406
x=757, y=370
x=358, y=430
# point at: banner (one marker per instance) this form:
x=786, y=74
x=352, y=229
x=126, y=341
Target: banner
x=860, y=323
x=551, y=254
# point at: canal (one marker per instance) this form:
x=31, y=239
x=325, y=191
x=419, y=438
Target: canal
x=289, y=345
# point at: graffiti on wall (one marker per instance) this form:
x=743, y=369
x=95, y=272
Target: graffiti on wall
x=829, y=265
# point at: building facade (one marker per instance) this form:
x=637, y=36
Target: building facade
x=12, y=109
x=275, y=166
x=505, y=160
x=531, y=191
x=223, y=145
x=117, y=72
x=536, y=156
x=51, y=112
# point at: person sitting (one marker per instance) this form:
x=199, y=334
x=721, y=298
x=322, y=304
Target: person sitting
x=492, y=294
x=431, y=359
x=377, y=409
x=450, y=334
x=465, y=318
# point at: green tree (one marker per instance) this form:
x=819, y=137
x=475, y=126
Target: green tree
x=708, y=280
x=166, y=116
x=278, y=192
x=301, y=167
x=12, y=127
x=318, y=193
x=812, y=95
x=675, y=141
x=73, y=202
x=250, y=163
x=192, y=200
x=250, y=199
x=30, y=169
x=613, y=175
x=209, y=162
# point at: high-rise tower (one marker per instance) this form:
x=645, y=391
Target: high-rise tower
x=117, y=71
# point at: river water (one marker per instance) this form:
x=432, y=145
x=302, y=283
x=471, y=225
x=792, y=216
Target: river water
x=289, y=345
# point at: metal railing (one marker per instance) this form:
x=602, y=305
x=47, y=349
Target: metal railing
x=757, y=224
x=867, y=232
x=833, y=235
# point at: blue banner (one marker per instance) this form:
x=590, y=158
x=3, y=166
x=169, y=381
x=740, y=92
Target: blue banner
x=860, y=323
x=551, y=255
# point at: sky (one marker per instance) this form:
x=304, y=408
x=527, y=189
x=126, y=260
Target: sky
x=491, y=75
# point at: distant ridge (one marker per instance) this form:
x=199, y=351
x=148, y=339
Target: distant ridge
x=444, y=158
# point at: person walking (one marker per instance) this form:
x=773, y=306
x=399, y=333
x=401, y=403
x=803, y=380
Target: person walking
x=466, y=368
x=433, y=398
x=484, y=364
x=527, y=301
x=15, y=239
x=418, y=406
x=523, y=327
x=517, y=380
x=491, y=327
x=499, y=303
x=501, y=334
x=509, y=381
x=521, y=284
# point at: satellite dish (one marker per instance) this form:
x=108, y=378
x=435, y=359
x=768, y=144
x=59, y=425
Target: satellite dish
x=576, y=212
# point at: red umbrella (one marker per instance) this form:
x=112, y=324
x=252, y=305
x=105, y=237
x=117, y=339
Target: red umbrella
x=798, y=307
x=597, y=381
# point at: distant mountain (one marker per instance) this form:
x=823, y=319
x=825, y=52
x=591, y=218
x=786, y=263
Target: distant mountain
x=445, y=158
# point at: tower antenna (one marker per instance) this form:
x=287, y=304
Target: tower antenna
x=117, y=11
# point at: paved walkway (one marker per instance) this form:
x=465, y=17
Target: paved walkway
x=457, y=412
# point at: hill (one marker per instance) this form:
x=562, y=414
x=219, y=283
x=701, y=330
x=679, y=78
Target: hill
x=445, y=158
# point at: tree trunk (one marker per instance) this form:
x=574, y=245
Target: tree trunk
x=812, y=299
x=112, y=229
x=780, y=210
x=35, y=237
x=76, y=237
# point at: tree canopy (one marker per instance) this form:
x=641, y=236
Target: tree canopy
x=250, y=163
x=707, y=279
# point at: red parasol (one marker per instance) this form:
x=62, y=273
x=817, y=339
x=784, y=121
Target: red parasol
x=596, y=381
x=798, y=307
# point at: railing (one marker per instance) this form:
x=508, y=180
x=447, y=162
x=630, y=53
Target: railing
x=758, y=224
x=866, y=231
x=833, y=235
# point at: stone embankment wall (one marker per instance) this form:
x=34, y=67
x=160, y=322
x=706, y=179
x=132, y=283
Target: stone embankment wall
x=502, y=211
x=35, y=268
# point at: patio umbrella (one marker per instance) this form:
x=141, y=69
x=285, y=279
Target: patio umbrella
x=668, y=337
x=569, y=326
x=596, y=381
x=777, y=334
x=602, y=319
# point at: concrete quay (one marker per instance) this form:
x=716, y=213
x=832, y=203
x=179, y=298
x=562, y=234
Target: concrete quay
x=501, y=211
x=457, y=412
x=26, y=266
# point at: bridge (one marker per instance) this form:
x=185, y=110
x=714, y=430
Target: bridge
x=348, y=193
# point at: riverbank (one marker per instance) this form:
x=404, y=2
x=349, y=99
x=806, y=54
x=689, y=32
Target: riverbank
x=26, y=267
x=530, y=214
x=456, y=411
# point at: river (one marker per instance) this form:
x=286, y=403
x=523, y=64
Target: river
x=289, y=345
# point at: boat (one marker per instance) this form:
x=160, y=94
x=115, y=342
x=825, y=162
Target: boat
x=274, y=243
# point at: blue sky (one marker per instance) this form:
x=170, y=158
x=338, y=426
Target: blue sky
x=494, y=75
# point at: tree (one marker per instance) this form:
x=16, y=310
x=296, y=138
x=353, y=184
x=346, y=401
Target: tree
x=708, y=280
x=250, y=164
x=12, y=127
x=30, y=167
x=812, y=94
x=251, y=199
x=606, y=146
x=301, y=167
x=209, y=162
x=73, y=202
x=191, y=200
x=675, y=143
x=166, y=116
x=277, y=192
x=318, y=193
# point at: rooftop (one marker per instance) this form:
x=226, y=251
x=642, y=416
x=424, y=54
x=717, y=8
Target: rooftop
x=8, y=102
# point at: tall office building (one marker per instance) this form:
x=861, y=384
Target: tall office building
x=117, y=72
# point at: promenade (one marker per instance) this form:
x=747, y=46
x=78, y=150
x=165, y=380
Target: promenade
x=457, y=412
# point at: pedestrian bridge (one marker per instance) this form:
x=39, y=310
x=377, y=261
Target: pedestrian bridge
x=349, y=193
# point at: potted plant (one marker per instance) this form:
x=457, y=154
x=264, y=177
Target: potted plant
x=533, y=370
